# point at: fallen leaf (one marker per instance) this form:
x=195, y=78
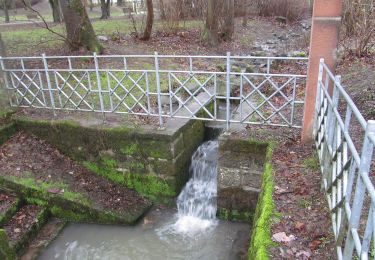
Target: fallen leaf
x=303, y=255
x=299, y=226
x=281, y=237
x=314, y=244
x=54, y=190
x=17, y=230
x=279, y=190
x=21, y=217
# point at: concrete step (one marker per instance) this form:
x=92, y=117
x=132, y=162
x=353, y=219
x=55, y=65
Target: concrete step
x=9, y=205
x=44, y=237
x=23, y=226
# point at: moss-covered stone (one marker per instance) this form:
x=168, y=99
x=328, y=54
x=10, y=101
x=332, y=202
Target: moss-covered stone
x=6, y=252
x=235, y=215
x=151, y=186
x=240, y=169
x=6, y=215
x=261, y=233
x=41, y=219
x=155, y=163
x=71, y=204
x=6, y=131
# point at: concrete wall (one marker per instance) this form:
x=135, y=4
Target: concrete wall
x=240, y=172
x=155, y=163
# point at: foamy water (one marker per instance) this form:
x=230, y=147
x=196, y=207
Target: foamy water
x=196, y=203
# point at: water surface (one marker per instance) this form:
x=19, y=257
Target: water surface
x=153, y=238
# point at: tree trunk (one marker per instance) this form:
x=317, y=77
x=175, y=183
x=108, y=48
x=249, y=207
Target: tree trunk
x=80, y=32
x=106, y=8
x=91, y=5
x=245, y=15
x=210, y=34
x=229, y=20
x=162, y=10
x=120, y=2
x=149, y=21
x=55, y=11
x=6, y=10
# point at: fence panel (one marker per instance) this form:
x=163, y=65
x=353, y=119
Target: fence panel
x=228, y=89
x=345, y=144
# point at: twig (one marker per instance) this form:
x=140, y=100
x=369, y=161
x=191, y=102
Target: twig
x=45, y=23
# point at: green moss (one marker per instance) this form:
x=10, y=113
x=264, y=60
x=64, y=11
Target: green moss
x=6, y=132
x=6, y=252
x=148, y=185
x=235, y=215
x=130, y=149
x=311, y=163
x=89, y=216
x=261, y=235
x=43, y=188
x=36, y=201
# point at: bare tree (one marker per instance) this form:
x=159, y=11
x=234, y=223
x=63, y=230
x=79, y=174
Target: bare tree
x=359, y=26
x=120, y=2
x=106, y=8
x=55, y=6
x=210, y=34
x=91, y=5
x=80, y=32
x=162, y=10
x=6, y=4
x=245, y=16
x=149, y=21
x=228, y=29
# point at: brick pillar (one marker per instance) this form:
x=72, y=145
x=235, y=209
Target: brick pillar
x=323, y=44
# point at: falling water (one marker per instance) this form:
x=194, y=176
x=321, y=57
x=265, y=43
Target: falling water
x=197, y=202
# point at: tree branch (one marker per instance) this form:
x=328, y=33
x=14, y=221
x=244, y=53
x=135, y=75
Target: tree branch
x=46, y=26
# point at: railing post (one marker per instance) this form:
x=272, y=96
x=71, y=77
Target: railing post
x=99, y=84
x=158, y=90
x=324, y=39
x=363, y=169
x=45, y=63
x=5, y=77
x=228, y=91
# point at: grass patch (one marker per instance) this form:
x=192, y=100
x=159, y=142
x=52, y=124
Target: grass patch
x=311, y=163
x=304, y=203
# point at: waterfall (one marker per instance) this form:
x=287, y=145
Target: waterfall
x=196, y=203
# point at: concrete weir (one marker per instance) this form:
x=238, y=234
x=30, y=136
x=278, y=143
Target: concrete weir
x=153, y=162
x=240, y=174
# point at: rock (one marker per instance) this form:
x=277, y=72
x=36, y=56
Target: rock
x=102, y=38
x=282, y=37
x=281, y=19
x=281, y=237
x=54, y=190
x=265, y=47
x=270, y=42
x=259, y=53
x=305, y=26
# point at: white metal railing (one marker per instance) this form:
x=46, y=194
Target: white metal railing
x=345, y=145
x=214, y=88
